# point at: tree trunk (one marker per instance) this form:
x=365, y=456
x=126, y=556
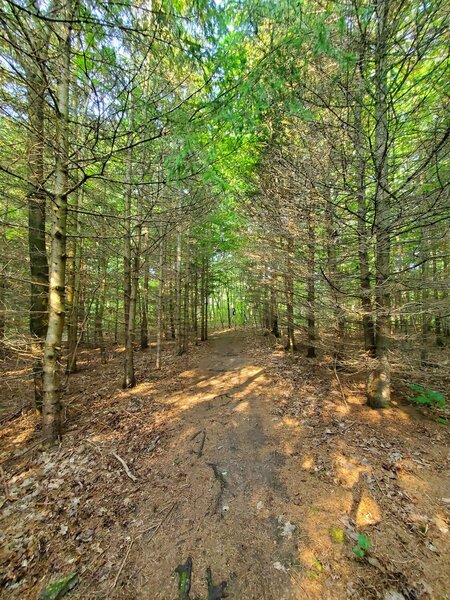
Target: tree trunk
x=52, y=401
x=2, y=312
x=177, y=313
x=129, y=379
x=184, y=346
x=228, y=307
x=203, y=300
x=379, y=385
x=289, y=283
x=128, y=242
x=333, y=275
x=144, y=308
x=437, y=313
x=195, y=306
x=274, y=309
x=159, y=307
x=73, y=288
x=311, y=351
x=39, y=271
x=100, y=307
x=363, y=238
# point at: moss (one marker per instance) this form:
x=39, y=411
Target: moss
x=59, y=588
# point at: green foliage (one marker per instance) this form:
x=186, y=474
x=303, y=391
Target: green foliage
x=426, y=396
x=315, y=570
x=362, y=547
x=59, y=588
x=337, y=536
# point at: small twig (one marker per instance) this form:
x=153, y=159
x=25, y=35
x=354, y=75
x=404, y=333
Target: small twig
x=11, y=416
x=199, y=452
x=154, y=444
x=125, y=466
x=127, y=554
x=119, y=572
x=340, y=384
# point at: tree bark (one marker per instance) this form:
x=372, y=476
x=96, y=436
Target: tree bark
x=51, y=424
x=144, y=308
x=73, y=288
x=39, y=270
x=363, y=238
x=289, y=284
x=129, y=379
x=159, y=307
x=177, y=310
x=333, y=276
x=311, y=351
x=379, y=385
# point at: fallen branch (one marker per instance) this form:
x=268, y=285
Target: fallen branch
x=125, y=466
x=223, y=485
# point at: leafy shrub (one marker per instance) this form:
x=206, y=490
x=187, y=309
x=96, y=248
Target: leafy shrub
x=426, y=397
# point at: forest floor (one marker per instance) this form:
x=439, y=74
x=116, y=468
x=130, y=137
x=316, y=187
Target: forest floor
x=262, y=468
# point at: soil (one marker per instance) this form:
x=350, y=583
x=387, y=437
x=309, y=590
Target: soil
x=263, y=468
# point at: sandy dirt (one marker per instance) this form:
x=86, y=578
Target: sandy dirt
x=263, y=469
x=232, y=505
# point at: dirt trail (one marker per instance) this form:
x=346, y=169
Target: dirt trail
x=231, y=509
x=251, y=463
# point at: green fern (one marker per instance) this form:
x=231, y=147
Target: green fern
x=426, y=396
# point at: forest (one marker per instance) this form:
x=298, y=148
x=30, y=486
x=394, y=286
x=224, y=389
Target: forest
x=224, y=299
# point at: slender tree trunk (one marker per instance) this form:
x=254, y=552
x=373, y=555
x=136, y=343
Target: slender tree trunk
x=100, y=307
x=203, y=296
x=144, y=308
x=363, y=238
x=333, y=275
x=2, y=312
x=206, y=298
x=159, y=306
x=177, y=314
x=227, y=291
x=311, y=351
x=195, y=305
x=129, y=379
x=36, y=222
x=52, y=350
x=184, y=346
x=289, y=284
x=437, y=312
x=274, y=309
x=128, y=241
x=379, y=386
x=116, y=316
x=72, y=289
